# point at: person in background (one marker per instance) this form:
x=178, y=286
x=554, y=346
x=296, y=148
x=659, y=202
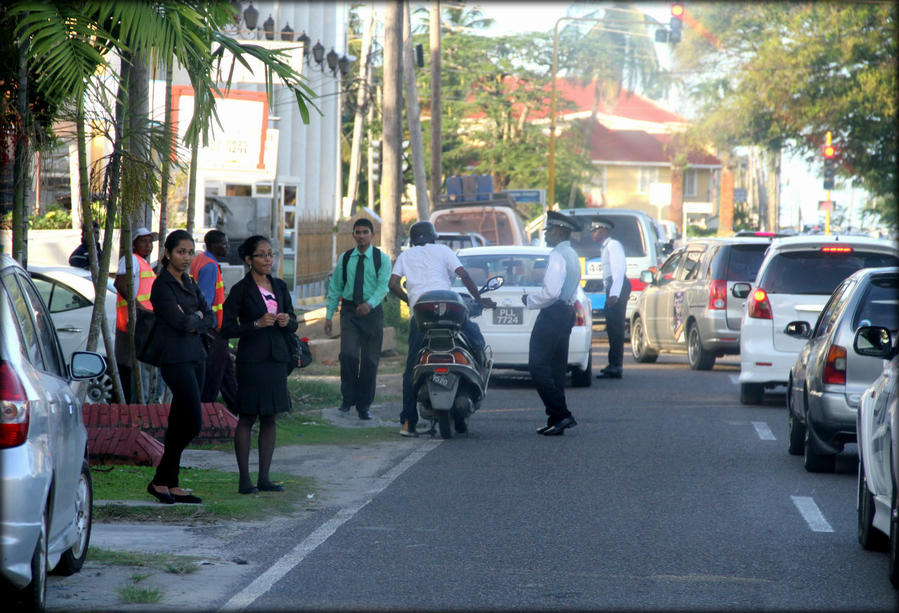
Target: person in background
x=142, y=278
x=429, y=266
x=618, y=291
x=207, y=272
x=259, y=311
x=359, y=283
x=79, y=257
x=182, y=316
x=548, y=348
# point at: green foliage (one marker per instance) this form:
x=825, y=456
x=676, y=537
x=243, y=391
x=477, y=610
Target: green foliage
x=54, y=219
x=139, y=594
x=176, y=565
x=781, y=75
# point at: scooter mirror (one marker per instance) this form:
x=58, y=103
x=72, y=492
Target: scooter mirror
x=495, y=283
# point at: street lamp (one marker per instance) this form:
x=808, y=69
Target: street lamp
x=251, y=17
x=287, y=32
x=269, y=28
x=318, y=53
x=304, y=40
x=343, y=64
x=332, y=61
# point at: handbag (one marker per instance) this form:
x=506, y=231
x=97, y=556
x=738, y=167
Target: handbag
x=300, y=354
x=150, y=351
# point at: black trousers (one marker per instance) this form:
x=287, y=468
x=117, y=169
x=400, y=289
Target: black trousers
x=615, y=322
x=185, y=379
x=548, y=357
x=220, y=374
x=360, y=355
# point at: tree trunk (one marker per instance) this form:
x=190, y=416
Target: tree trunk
x=391, y=176
x=192, y=181
x=167, y=157
x=436, y=137
x=352, y=189
x=20, y=166
x=413, y=116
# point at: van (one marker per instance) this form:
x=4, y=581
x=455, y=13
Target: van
x=642, y=249
x=498, y=222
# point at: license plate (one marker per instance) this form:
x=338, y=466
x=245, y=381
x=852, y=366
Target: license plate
x=594, y=268
x=442, y=380
x=508, y=316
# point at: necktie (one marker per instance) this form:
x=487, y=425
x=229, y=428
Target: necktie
x=357, y=282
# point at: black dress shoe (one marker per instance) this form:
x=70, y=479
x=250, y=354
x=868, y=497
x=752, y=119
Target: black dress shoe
x=187, y=498
x=543, y=429
x=344, y=408
x=609, y=374
x=560, y=427
x=270, y=487
x=364, y=414
x=251, y=489
x=163, y=497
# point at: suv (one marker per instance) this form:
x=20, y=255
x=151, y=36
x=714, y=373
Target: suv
x=46, y=482
x=828, y=378
x=688, y=305
x=635, y=231
x=796, y=279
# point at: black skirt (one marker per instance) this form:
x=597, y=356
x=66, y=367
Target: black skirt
x=262, y=388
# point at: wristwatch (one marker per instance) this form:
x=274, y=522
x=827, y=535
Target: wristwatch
x=255, y=323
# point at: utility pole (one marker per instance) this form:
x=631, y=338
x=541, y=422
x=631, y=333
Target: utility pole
x=436, y=140
x=392, y=135
x=349, y=208
x=413, y=116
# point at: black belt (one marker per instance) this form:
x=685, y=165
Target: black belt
x=349, y=304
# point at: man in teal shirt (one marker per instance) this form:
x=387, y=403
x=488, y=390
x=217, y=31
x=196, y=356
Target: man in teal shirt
x=359, y=285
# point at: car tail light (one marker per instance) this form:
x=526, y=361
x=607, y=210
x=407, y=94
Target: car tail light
x=836, y=249
x=456, y=357
x=759, y=307
x=14, y=410
x=637, y=285
x=718, y=295
x=580, y=316
x=835, y=365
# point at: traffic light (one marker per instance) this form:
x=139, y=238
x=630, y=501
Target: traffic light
x=829, y=152
x=676, y=23
x=376, y=161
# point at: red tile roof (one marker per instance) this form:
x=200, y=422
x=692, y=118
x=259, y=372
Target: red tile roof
x=637, y=146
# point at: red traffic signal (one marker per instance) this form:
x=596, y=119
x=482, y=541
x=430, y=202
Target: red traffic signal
x=829, y=151
x=677, y=10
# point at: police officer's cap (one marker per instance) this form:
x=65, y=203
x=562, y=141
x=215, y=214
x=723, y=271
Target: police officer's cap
x=561, y=220
x=598, y=224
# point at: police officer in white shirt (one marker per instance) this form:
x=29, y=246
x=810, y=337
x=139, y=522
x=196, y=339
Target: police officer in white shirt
x=618, y=291
x=428, y=266
x=548, y=348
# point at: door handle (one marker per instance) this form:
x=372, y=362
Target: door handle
x=69, y=329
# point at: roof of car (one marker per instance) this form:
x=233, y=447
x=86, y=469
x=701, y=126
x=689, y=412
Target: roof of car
x=603, y=211
x=814, y=240
x=503, y=250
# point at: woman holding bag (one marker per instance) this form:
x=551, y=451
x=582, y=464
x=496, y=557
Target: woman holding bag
x=182, y=316
x=259, y=311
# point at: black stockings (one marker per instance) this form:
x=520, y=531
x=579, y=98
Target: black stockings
x=266, y=448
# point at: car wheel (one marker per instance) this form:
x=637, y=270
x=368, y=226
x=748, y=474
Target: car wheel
x=797, y=433
x=583, y=378
x=639, y=347
x=73, y=558
x=99, y=390
x=869, y=537
x=699, y=358
x=752, y=393
x=894, y=530
x=813, y=460
x=34, y=596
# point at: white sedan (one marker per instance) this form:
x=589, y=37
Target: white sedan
x=507, y=328
x=69, y=294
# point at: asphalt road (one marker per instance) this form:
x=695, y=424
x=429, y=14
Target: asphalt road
x=668, y=495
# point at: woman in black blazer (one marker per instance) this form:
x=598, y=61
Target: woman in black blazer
x=182, y=316
x=259, y=311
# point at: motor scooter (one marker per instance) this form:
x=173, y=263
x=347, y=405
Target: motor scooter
x=448, y=379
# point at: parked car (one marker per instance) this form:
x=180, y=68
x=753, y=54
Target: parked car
x=635, y=231
x=796, y=278
x=456, y=240
x=46, y=482
x=69, y=294
x=497, y=221
x=688, y=305
x=878, y=436
x=507, y=328
x=827, y=379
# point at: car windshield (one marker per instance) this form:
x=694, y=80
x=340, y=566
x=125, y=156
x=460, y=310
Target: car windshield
x=626, y=231
x=744, y=261
x=517, y=270
x=880, y=304
x=788, y=273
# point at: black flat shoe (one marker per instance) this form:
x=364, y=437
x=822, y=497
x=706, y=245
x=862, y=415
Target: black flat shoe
x=560, y=427
x=543, y=429
x=364, y=414
x=270, y=487
x=163, y=497
x=187, y=498
x=248, y=490
x=612, y=374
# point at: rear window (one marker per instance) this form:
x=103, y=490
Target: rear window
x=814, y=272
x=517, y=270
x=741, y=262
x=880, y=304
x=493, y=225
x=627, y=231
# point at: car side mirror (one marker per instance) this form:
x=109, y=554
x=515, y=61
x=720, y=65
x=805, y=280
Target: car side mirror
x=495, y=283
x=647, y=277
x=798, y=329
x=741, y=290
x=87, y=365
x=873, y=341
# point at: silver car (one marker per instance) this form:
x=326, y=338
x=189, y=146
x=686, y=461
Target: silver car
x=44, y=473
x=827, y=378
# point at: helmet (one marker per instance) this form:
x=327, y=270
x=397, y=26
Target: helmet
x=422, y=232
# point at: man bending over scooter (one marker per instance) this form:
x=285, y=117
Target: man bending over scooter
x=429, y=266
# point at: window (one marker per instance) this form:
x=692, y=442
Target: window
x=53, y=361
x=26, y=327
x=690, y=182
x=646, y=177
x=741, y=262
x=788, y=273
x=831, y=311
x=691, y=264
x=880, y=304
x=628, y=231
x=669, y=268
x=516, y=270
x=59, y=297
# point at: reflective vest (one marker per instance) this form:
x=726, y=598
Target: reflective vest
x=147, y=276
x=218, y=299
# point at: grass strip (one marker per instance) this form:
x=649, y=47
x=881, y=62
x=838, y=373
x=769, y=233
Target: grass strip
x=172, y=564
x=139, y=594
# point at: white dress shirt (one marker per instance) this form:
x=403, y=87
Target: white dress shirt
x=562, y=266
x=614, y=266
x=426, y=268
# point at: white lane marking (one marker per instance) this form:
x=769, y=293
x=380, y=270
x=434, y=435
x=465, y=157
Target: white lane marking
x=764, y=432
x=735, y=379
x=811, y=513
x=276, y=572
